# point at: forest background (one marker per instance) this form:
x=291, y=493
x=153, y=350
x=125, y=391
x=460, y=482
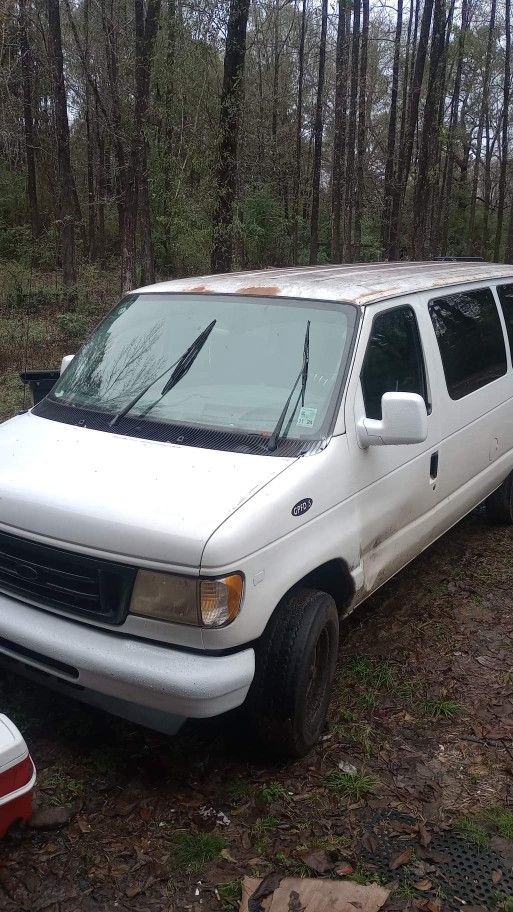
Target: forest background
x=158, y=138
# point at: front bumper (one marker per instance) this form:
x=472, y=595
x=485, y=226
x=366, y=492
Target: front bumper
x=123, y=669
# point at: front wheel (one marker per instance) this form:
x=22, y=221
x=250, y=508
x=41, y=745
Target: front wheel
x=499, y=505
x=295, y=663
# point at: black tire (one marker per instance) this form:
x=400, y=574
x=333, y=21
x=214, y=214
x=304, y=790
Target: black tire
x=499, y=505
x=295, y=663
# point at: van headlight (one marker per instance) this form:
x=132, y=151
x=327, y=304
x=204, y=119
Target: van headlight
x=187, y=600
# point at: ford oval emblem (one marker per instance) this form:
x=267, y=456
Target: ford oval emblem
x=302, y=506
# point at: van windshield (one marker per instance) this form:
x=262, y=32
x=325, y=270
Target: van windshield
x=240, y=378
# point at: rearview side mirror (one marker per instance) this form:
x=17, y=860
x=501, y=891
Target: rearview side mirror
x=404, y=420
x=65, y=361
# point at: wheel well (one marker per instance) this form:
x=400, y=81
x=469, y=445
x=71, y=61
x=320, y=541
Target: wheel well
x=333, y=577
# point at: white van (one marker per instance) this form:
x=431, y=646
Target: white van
x=232, y=463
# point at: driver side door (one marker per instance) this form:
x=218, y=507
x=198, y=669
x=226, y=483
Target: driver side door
x=396, y=484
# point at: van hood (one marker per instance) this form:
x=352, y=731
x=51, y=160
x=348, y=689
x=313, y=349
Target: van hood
x=133, y=499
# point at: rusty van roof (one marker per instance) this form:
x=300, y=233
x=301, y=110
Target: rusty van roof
x=357, y=283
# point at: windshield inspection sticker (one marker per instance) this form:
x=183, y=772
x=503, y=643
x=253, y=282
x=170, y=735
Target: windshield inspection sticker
x=306, y=417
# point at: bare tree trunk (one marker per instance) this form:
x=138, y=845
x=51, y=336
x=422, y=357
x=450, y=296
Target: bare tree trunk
x=452, y=131
x=95, y=211
x=102, y=190
x=504, y=136
x=91, y=202
x=261, y=101
x=464, y=166
x=145, y=230
x=406, y=150
x=487, y=186
x=429, y=138
x=439, y=171
x=353, y=99
x=509, y=241
x=145, y=34
x=229, y=128
x=362, y=110
x=79, y=220
x=276, y=74
x=117, y=128
x=296, y=190
x=340, y=134
x=318, y=130
x=170, y=75
x=65, y=176
x=392, y=130
x=395, y=202
x=28, y=121
x=480, y=129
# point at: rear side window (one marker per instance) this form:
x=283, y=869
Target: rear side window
x=393, y=360
x=505, y=293
x=470, y=338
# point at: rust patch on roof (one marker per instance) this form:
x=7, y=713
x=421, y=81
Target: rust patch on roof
x=260, y=290
x=381, y=292
x=199, y=288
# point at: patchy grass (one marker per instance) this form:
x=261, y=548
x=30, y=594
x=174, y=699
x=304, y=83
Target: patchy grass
x=294, y=866
x=238, y=791
x=332, y=843
x=60, y=788
x=347, y=786
x=41, y=320
x=13, y=398
x=502, y=903
x=472, y=831
x=362, y=875
x=230, y=894
x=193, y=850
x=262, y=830
x=361, y=733
x=264, y=824
x=439, y=709
x=502, y=818
x=273, y=793
x=368, y=699
x=363, y=670
x=404, y=691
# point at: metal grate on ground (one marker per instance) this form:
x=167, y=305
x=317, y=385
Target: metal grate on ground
x=465, y=873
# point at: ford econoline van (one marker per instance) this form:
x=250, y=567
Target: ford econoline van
x=230, y=465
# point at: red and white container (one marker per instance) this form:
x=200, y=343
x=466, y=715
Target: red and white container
x=17, y=776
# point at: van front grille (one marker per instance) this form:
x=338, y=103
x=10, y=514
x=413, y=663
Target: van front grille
x=53, y=578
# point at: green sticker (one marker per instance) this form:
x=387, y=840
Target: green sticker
x=306, y=417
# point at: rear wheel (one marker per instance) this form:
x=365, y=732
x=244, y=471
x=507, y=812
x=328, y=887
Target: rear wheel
x=295, y=663
x=499, y=505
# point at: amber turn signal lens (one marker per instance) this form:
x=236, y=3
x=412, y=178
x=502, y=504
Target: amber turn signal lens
x=221, y=600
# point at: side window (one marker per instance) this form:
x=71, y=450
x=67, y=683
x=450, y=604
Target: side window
x=470, y=338
x=393, y=360
x=505, y=293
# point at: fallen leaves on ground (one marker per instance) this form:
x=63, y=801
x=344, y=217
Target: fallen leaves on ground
x=407, y=657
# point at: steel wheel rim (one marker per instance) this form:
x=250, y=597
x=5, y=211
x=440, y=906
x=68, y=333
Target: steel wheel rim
x=318, y=674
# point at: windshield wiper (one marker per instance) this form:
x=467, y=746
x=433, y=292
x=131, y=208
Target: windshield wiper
x=181, y=366
x=303, y=376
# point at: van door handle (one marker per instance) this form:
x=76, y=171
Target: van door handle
x=433, y=466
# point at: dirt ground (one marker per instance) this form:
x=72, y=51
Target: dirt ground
x=419, y=746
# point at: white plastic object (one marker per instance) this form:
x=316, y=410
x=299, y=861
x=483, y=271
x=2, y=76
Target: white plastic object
x=65, y=361
x=404, y=420
x=13, y=749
